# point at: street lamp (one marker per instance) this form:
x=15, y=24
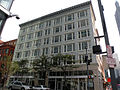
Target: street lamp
x=14, y=15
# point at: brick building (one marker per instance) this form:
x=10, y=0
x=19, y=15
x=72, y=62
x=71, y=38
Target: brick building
x=6, y=54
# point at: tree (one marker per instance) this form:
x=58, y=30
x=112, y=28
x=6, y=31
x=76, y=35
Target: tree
x=42, y=65
x=63, y=62
x=23, y=66
x=13, y=68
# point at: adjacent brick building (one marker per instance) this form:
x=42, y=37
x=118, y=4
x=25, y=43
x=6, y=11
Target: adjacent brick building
x=6, y=54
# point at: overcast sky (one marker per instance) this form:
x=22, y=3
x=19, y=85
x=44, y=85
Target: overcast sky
x=31, y=9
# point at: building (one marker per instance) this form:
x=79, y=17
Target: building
x=117, y=15
x=6, y=55
x=68, y=31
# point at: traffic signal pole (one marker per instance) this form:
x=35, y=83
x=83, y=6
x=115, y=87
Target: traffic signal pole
x=112, y=73
x=86, y=60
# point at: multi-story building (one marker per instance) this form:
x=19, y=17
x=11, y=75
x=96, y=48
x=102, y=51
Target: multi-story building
x=6, y=55
x=68, y=31
x=117, y=14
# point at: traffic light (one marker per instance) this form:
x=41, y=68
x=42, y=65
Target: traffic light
x=97, y=49
x=90, y=76
x=89, y=61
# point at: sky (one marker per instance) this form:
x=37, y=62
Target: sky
x=31, y=9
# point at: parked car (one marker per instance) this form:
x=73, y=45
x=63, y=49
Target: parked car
x=40, y=87
x=18, y=85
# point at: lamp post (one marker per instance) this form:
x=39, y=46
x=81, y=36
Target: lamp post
x=112, y=73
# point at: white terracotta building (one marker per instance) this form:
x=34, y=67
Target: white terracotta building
x=67, y=31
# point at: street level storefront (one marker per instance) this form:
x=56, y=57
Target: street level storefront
x=74, y=80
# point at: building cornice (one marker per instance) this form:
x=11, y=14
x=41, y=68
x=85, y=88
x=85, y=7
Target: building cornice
x=57, y=12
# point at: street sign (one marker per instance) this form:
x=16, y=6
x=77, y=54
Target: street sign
x=111, y=62
x=109, y=51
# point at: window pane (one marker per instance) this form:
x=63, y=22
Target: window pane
x=69, y=47
x=83, y=33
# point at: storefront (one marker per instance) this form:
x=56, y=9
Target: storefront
x=74, y=80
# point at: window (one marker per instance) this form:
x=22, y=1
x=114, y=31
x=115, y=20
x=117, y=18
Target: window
x=28, y=44
x=47, y=40
x=56, y=39
x=69, y=47
x=69, y=17
x=37, y=43
x=22, y=38
x=30, y=36
x=11, y=52
x=38, y=34
x=40, y=26
x=83, y=23
x=82, y=13
x=47, y=31
x=26, y=53
x=18, y=55
x=32, y=28
x=72, y=61
x=6, y=51
x=56, y=49
x=84, y=33
x=82, y=58
x=83, y=45
x=58, y=20
x=36, y=52
x=48, y=23
x=57, y=29
x=69, y=26
x=45, y=50
x=18, y=83
x=23, y=31
x=69, y=36
x=20, y=46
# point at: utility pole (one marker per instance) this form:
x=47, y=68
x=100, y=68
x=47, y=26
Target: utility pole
x=112, y=73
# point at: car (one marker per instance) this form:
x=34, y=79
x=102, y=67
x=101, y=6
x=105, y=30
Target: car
x=18, y=85
x=40, y=87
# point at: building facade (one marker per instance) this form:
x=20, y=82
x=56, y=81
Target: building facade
x=68, y=31
x=6, y=55
x=117, y=15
